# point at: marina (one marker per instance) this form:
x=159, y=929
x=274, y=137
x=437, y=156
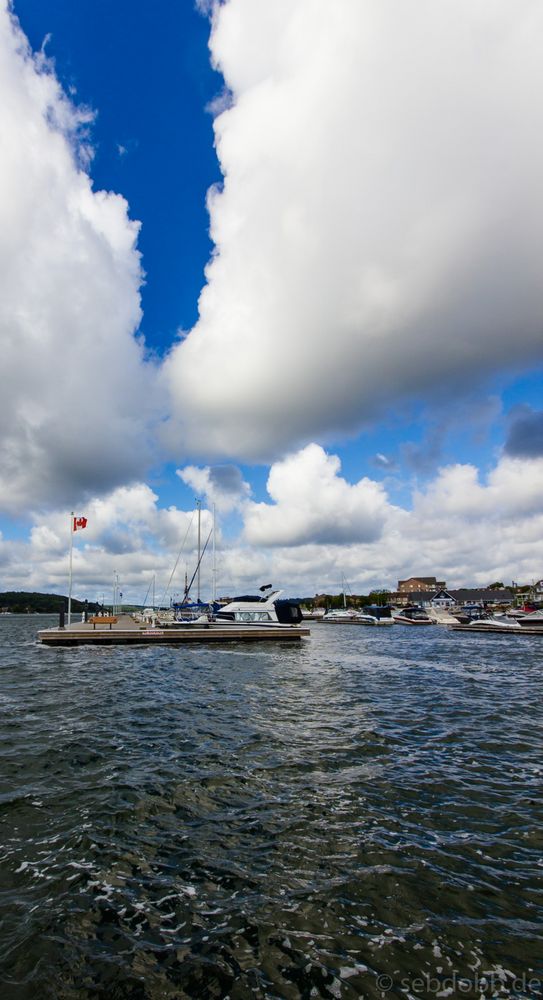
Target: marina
x=271, y=475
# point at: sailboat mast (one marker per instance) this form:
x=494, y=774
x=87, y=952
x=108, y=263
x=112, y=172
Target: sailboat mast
x=214, y=588
x=199, y=509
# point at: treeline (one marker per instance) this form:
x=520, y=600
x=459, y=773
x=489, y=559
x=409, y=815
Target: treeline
x=352, y=600
x=22, y=602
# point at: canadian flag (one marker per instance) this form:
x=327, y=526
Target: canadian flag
x=80, y=522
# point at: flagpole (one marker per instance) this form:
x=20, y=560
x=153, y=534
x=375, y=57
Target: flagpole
x=70, y=580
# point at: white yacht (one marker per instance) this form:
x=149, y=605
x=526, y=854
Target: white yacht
x=266, y=609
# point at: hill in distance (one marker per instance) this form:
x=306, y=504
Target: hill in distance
x=23, y=602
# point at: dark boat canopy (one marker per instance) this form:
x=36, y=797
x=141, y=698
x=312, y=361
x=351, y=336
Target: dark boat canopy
x=248, y=598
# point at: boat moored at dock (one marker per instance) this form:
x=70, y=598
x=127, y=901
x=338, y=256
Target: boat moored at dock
x=340, y=616
x=412, y=615
x=264, y=610
x=376, y=614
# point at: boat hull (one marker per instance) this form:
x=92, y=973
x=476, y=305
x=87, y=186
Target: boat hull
x=413, y=621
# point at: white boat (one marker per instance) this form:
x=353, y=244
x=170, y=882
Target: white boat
x=344, y=615
x=497, y=621
x=377, y=614
x=260, y=610
x=493, y=623
x=442, y=616
x=338, y=616
x=350, y=616
x=412, y=616
x=364, y=619
x=534, y=619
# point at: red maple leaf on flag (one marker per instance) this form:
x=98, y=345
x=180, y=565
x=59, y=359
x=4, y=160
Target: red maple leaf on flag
x=80, y=522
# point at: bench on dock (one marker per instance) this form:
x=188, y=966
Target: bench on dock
x=103, y=620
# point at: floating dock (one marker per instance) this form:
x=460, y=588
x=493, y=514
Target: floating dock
x=125, y=631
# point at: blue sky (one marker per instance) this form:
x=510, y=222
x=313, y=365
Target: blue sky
x=372, y=286
x=144, y=69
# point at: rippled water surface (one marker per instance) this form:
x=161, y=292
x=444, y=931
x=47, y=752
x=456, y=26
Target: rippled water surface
x=359, y=816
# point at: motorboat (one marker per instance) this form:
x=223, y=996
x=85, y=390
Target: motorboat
x=442, y=616
x=534, y=619
x=376, y=614
x=412, y=615
x=497, y=621
x=341, y=616
x=493, y=623
x=316, y=615
x=470, y=613
x=262, y=610
x=366, y=619
x=372, y=615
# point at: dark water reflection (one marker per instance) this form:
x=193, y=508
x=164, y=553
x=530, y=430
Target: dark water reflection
x=358, y=817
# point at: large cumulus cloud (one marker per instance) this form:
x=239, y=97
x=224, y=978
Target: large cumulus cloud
x=77, y=398
x=378, y=231
x=314, y=503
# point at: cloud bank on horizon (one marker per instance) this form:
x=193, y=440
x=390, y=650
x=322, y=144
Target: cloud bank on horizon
x=377, y=238
x=469, y=528
x=378, y=232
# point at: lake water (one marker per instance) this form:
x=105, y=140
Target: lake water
x=359, y=816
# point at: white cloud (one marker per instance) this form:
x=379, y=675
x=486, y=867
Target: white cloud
x=127, y=533
x=378, y=231
x=514, y=488
x=378, y=235
x=316, y=528
x=464, y=527
x=76, y=398
x=312, y=503
x=222, y=485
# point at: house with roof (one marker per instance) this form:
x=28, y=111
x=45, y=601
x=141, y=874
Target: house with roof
x=483, y=596
x=443, y=599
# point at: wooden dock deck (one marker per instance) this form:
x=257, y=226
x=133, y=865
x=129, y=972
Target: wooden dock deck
x=125, y=631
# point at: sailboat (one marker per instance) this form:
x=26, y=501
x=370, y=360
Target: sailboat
x=339, y=615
